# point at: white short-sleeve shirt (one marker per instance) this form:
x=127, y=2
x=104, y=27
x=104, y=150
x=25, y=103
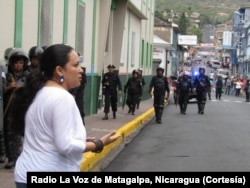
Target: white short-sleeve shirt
x=54, y=134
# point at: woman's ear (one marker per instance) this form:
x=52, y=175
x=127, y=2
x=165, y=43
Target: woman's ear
x=59, y=71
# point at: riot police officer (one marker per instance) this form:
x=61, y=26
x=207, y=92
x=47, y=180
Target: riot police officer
x=142, y=83
x=110, y=83
x=133, y=86
x=202, y=84
x=184, y=87
x=160, y=87
x=16, y=76
x=35, y=54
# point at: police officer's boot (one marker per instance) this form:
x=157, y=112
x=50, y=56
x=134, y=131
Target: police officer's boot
x=184, y=108
x=160, y=111
x=202, y=108
x=12, y=150
x=199, y=108
x=133, y=109
x=2, y=148
x=156, y=114
x=105, y=117
x=138, y=104
x=181, y=108
x=114, y=115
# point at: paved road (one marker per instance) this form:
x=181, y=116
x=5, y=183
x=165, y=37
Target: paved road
x=216, y=141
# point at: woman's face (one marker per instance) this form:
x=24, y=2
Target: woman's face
x=72, y=71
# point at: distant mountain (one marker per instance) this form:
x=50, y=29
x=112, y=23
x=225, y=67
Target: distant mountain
x=212, y=11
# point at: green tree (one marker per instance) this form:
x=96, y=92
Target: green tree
x=158, y=14
x=195, y=31
x=183, y=23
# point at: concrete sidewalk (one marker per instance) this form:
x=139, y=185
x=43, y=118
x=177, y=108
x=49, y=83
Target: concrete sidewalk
x=125, y=124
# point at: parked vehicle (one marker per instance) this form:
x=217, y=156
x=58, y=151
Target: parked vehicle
x=222, y=72
x=216, y=64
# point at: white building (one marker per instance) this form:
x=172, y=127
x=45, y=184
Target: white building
x=118, y=32
x=161, y=55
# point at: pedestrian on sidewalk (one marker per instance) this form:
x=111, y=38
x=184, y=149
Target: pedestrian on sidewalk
x=110, y=83
x=46, y=114
x=228, y=85
x=247, y=90
x=218, y=87
x=159, y=89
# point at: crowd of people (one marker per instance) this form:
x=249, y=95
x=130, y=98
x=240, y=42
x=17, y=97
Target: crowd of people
x=231, y=85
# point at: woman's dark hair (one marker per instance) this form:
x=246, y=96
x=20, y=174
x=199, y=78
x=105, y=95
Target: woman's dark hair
x=53, y=56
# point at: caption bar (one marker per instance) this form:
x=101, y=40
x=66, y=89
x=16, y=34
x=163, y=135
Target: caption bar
x=190, y=179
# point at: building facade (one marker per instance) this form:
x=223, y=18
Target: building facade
x=241, y=41
x=118, y=32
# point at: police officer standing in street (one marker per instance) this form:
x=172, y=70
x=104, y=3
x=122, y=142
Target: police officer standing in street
x=201, y=83
x=159, y=88
x=110, y=83
x=184, y=87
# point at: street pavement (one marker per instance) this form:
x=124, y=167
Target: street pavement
x=127, y=125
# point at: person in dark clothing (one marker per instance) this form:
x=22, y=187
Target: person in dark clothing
x=209, y=89
x=15, y=78
x=35, y=54
x=133, y=87
x=247, y=90
x=218, y=88
x=183, y=89
x=78, y=93
x=2, y=88
x=110, y=83
x=142, y=83
x=160, y=87
x=201, y=84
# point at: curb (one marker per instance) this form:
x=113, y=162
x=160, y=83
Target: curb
x=97, y=161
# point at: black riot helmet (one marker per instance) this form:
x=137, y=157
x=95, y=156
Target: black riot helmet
x=6, y=52
x=35, y=51
x=16, y=54
x=202, y=69
x=135, y=72
x=160, y=69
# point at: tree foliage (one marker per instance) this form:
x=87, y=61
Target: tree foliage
x=183, y=23
x=221, y=9
x=195, y=31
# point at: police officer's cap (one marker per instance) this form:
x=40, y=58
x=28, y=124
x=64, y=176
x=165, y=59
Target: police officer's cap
x=111, y=66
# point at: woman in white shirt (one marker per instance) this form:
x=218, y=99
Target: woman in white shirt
x=54, y=135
